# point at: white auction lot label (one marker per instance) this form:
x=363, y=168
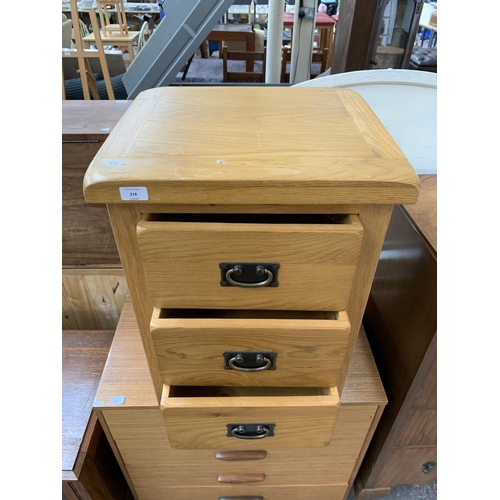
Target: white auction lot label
x=134, y=193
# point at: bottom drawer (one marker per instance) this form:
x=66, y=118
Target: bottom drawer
x=236, y=418
x=315, y=492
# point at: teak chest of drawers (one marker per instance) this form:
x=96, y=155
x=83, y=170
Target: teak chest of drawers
x=249, y=241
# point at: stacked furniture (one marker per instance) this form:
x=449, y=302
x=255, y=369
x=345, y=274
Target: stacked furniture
x=249, y=242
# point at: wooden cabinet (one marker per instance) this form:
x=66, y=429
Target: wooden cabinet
x=89, y=468
x=93, y=285
x=375, y=35
x=232, y=227
x=401, y=324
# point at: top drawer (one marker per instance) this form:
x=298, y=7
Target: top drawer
x=191, y=260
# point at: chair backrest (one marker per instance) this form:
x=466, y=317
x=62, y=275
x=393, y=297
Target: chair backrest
x=318, y=59
x=108, y=8
x=243, y=76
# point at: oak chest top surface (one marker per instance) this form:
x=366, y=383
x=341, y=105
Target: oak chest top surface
x=251, y=145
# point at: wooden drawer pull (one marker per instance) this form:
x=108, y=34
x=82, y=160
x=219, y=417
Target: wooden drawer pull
x=246, y=497
x=241, y=478
x=240, y=455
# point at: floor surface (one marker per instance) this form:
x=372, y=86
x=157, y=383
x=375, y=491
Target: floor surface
x=408, y=492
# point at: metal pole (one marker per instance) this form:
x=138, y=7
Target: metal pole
x=274, y=40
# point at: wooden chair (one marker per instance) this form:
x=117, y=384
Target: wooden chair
x=320, y=58
x=106, y=9
x=114, y=34
x=243, y=76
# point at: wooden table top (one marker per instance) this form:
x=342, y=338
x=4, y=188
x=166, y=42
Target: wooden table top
x=90, y=120
x=424, y=212
x=84, y=355
x=296, y=146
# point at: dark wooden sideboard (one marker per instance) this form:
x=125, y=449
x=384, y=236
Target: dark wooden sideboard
x=401, y=325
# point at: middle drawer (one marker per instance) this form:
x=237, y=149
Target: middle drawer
x=250, y=348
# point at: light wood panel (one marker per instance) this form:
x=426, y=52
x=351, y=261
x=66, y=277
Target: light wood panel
x=304, y=417
x=163, y=135
x=124, y=219
x=317, y=263
x=139, y=434
x=226, y=492
x=375, y=219
x=92, y=299
x=309, y=350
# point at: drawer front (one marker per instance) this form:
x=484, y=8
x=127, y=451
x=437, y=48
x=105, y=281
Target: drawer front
x=250, y=348
x=182, y=262
x=232, y=418
x=309, y=472
x=248, y=492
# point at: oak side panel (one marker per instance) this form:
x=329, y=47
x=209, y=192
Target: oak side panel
x=124, y=219
x=375, y=219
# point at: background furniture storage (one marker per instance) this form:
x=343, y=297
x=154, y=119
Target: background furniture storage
x=401, y=324
x=258, y=223
x=375, y=35
x=93, y=283
x=89, y=467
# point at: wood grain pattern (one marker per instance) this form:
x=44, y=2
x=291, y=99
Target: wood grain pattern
x=194, y=422
x=84, y=354
x=89, y=469
x=310, y=351
x=241, y=478
x=92, y=299
x=317, y=263
x=163, y=142
x=143, y=443
x=375, y=219
x=406, y=465
x=424, y=213
x=240, y=455
x=91, y=120
x=156, y=468
x=124, y=220
x=401, y=323
x=225, y=492
x=87, y=238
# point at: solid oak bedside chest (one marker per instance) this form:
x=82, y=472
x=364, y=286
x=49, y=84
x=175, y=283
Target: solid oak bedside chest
x=249, y=241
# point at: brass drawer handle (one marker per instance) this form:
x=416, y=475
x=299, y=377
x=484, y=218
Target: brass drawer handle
x=261, y=270
x=250, y=431
x=258, y=359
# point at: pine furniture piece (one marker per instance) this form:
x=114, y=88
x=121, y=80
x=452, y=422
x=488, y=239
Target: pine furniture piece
x=127, y=408
x=89, y=468
x=249, y=242
x=401, y=324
